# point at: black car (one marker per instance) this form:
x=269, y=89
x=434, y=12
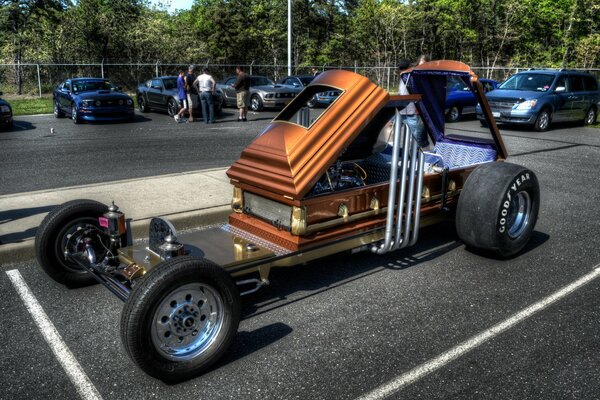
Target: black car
x=160, y=93
x=92, y=99
x=6, y=116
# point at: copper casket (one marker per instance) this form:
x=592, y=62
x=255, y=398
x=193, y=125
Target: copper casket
x=320, y=175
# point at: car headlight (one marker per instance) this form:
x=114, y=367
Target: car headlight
x=87, y=103
x=129, y=102
x=526, y=105
x=5, y=109
x=269, y=96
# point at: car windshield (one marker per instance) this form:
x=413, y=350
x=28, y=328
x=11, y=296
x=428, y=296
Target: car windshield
x=170, y=83
x=92, y=86
x=260, y=81
x=306, y=79
x=525, y=81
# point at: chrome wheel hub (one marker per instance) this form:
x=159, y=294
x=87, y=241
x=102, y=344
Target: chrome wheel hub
x=187, y=321
x=544, y=119
x=518, y=215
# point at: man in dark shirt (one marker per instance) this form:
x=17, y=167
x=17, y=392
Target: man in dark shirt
x=190, y=91
x=242, y=88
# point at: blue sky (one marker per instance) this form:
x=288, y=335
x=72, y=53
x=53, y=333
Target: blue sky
x=175, y=4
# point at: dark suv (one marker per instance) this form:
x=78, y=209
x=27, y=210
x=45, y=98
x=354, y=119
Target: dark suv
x=540, y=97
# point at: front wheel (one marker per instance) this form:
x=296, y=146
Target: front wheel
x=498, y=208
x=590, y=117
x=453, y=114
x=542, y=122
x=181, y=319
x=256, y=103
x=74, y=114
x=62, y=233
x=172, y=107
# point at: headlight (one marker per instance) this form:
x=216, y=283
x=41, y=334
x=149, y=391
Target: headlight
x=5, y=109
x=129, y=102
x=269, y=96
x=526, y=105
x=87, y=103
x=98, y=103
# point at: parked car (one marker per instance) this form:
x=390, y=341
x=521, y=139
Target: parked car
x=160, y=93
x=540, y=97
x=460, y=100
x=305, y=188
x=323, y=98
x=92, y=99
x=264, y=93
x=297, y=81
x=6, y=116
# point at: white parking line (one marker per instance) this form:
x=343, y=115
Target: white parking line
x=82, y=383
x=461, y=349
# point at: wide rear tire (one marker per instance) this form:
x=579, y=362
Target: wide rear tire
x=181, y=319
x=498, y=208
x=57, y=234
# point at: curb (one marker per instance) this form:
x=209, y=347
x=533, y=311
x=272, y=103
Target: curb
x=23, y=251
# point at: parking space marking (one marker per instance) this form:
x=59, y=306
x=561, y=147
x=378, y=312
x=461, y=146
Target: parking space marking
x=84, y=386
x=472, y=343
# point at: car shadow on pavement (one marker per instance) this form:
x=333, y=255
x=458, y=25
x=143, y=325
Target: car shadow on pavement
x=19, y=125
x=7, y=216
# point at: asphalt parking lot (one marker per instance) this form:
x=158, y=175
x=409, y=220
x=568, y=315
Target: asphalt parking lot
x=411, y=324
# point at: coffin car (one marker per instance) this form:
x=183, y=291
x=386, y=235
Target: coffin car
x=350, y=177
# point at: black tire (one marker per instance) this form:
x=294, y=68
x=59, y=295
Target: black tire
x=590, y=117
x=453, y=114
x=498, y=208
x=256, y=103
x=172, y=107
x=165, y=304
x=58, y=113
x=543, y=120
x=142, y=106
x=74, y=114
x=483, y=123
x=51, y=240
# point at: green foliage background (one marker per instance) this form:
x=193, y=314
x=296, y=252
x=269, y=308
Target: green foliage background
x=485, y=33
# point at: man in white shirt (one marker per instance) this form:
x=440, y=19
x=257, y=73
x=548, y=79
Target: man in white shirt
x=206, y=86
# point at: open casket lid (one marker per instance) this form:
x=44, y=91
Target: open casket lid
x=430, y=79
x=288, y=158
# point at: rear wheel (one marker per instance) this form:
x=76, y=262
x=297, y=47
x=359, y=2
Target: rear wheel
x=181, y=319
x=172, y=107
x=590, y=117
x=142, y=106
x=542, y=122
x=61, y=233
x=58, y=113
x=497, y=208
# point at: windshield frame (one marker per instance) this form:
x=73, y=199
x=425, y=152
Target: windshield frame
x=524, y=77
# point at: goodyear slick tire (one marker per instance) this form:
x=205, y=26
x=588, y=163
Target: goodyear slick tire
x=146, y=302
x=51, y=235
x=498, y=208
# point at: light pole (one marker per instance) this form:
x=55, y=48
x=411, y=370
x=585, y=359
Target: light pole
x=289, y=37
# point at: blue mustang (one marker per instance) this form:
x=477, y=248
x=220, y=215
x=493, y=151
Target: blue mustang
x=92, y=99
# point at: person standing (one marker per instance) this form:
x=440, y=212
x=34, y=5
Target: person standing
x=191, y=92
x=182, y=96
x=206, y=86
x=242, y=88
x=410, y=114
x=314, y=71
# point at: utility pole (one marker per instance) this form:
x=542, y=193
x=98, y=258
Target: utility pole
x=289, y=37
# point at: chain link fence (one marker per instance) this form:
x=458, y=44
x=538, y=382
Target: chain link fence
x=40, y=79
